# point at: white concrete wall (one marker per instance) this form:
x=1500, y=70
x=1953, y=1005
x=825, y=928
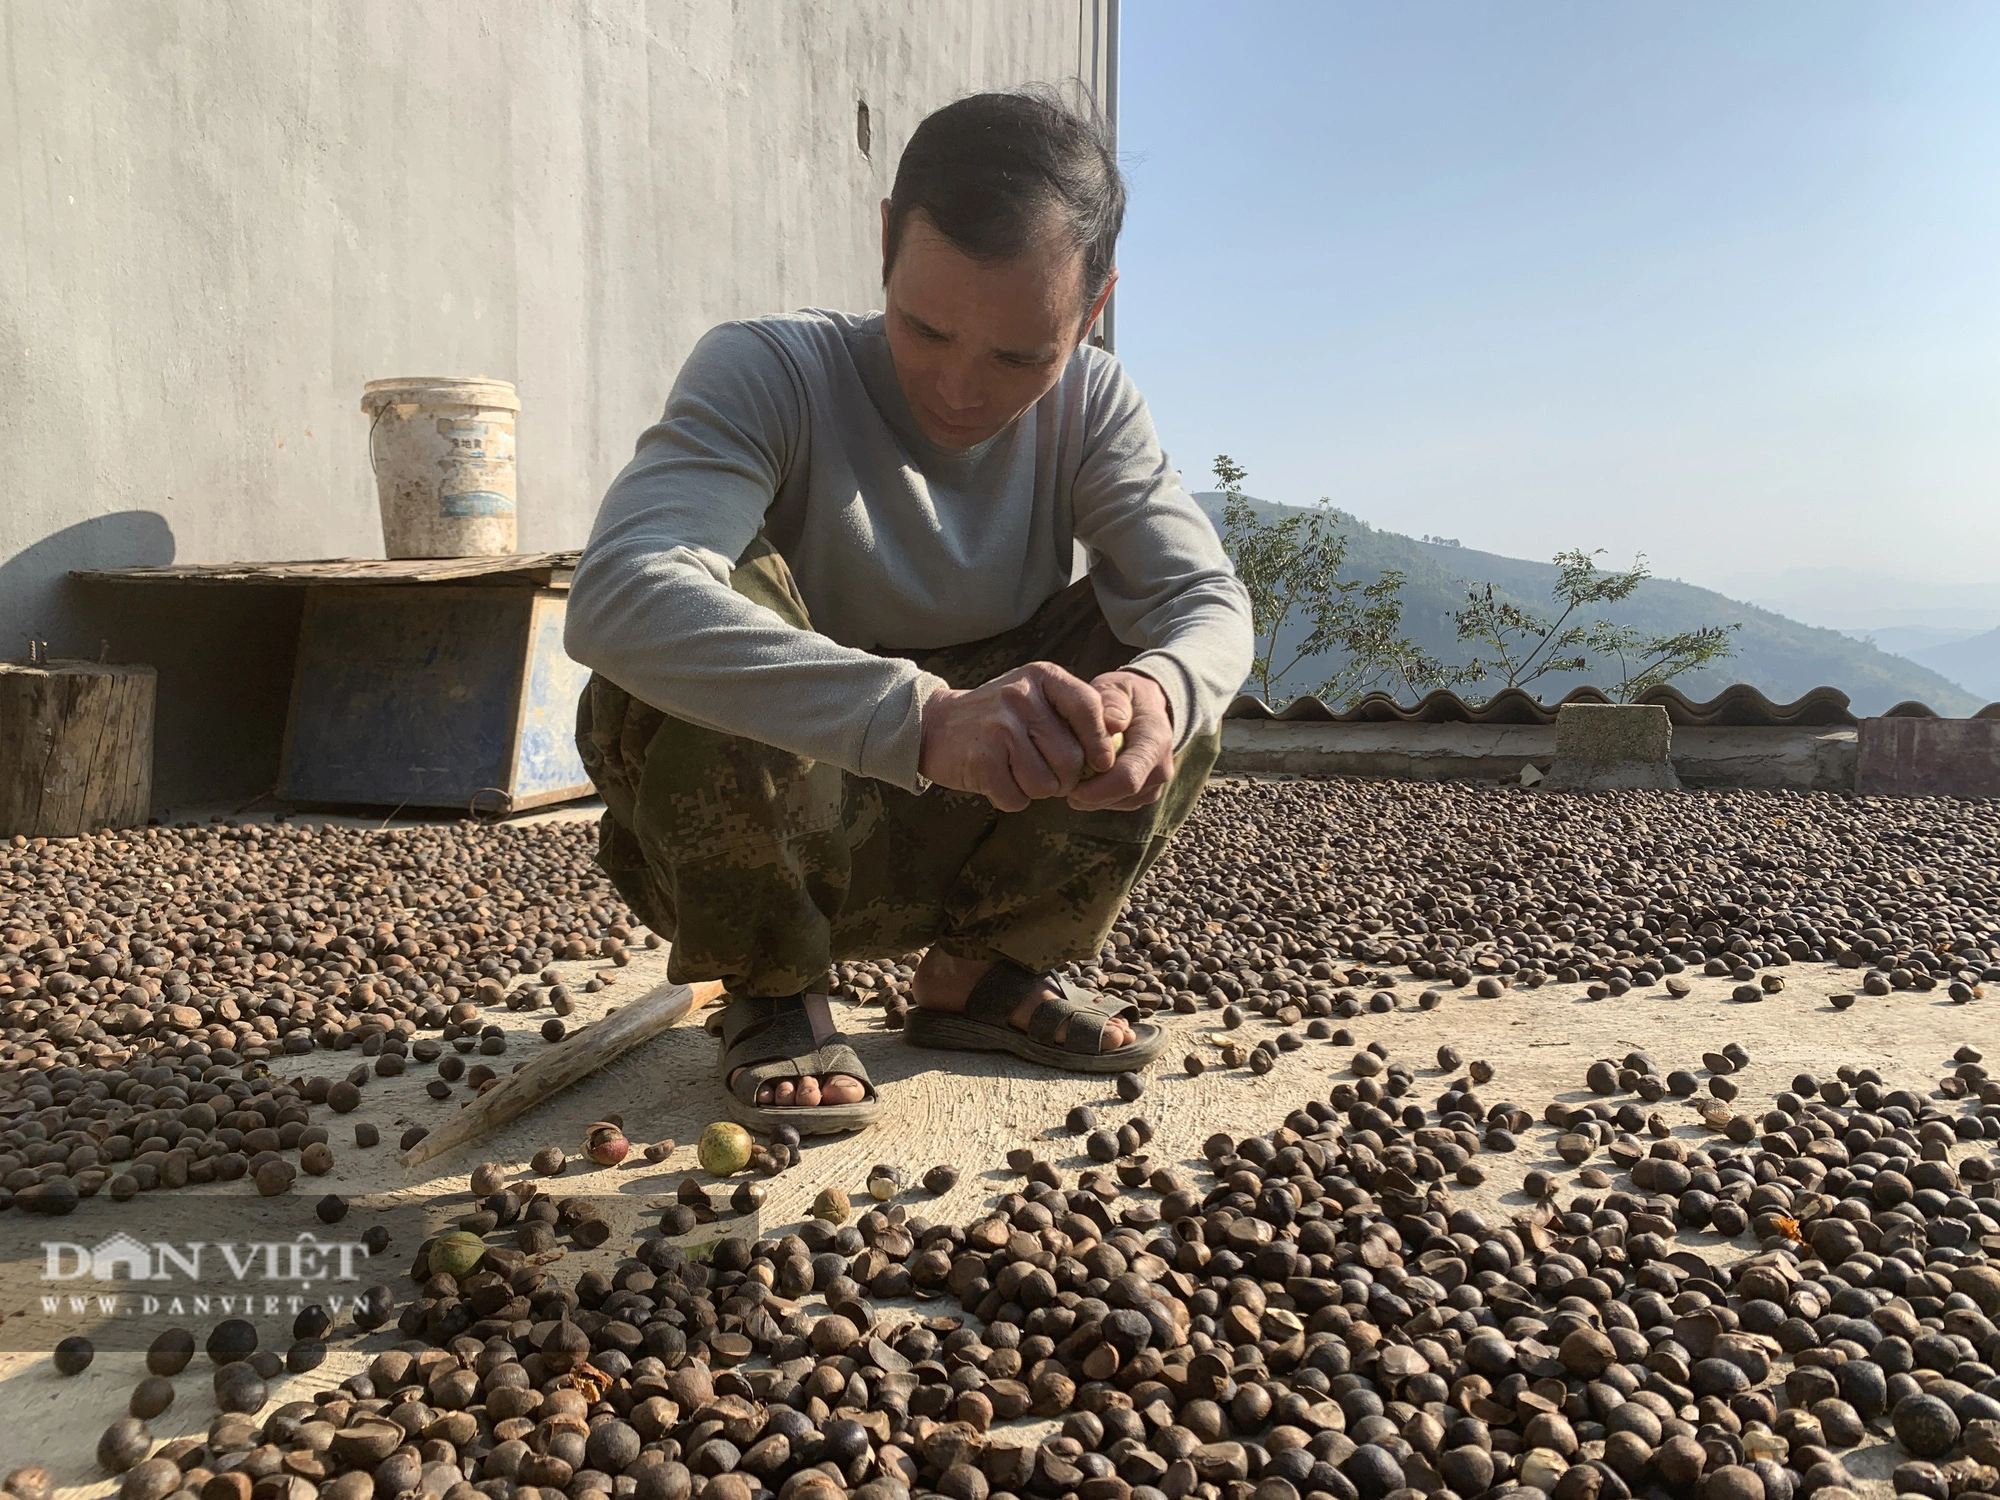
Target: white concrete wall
x=218, y=218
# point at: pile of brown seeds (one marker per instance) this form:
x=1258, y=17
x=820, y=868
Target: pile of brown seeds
x=1272, y=888
x=140, y=972
x=1287, y=893
x=1318, y=1318
x=1315, y=1317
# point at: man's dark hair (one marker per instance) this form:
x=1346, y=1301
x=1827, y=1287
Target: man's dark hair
x=993, y=170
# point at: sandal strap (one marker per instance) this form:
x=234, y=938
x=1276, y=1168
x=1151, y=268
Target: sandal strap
x=999, y=992
x=1046, y=1019
x=1103, y=1002
x=1086, y=1031
x=1086, y=1014
x=747, y=1017
x=819, y=1014
x=838, y=1057
x=782, y=1038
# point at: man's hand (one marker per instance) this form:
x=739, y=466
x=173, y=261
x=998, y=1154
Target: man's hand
x=1025, y=735
x=1134, y=706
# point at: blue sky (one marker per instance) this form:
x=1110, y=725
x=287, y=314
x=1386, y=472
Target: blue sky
x=1716, y=282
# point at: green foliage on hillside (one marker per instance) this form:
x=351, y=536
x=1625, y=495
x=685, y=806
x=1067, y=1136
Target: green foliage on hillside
x=1778, y=656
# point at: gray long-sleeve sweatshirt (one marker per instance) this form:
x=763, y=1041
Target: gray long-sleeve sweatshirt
x=795, y=426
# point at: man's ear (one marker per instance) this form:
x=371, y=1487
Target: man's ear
x=1098, y=306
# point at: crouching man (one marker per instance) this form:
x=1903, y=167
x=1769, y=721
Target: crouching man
x=846, y=700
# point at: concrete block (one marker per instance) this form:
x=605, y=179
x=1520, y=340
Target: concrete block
x=1609, y=747
x=1929, y=758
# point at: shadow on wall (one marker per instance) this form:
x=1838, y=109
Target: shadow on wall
x=37, y=597
x=224, y=654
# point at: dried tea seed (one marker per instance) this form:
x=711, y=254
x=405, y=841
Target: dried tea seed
x=940, y=1180
x=231, y=1341
x=73, y=1355
x=124, y=1443
x=170, y=1351
x=150, y=1397
x=275, y=1177
x=884, y=1182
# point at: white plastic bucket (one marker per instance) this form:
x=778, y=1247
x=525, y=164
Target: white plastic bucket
x=443, y=453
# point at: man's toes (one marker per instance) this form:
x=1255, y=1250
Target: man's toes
x=766, y=1094
x=841, y=1088
x=783, y=1093
x=807, y=1094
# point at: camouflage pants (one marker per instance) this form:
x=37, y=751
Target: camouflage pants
x=763, y=867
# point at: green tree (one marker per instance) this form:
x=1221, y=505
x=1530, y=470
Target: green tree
x=1291, y=569
x=1380, y=657
x=1526, y=646
x=1649, y=661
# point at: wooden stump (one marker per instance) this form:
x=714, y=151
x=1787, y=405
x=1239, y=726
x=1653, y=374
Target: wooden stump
x=76, y=747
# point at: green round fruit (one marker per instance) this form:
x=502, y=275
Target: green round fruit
x=457, y=1254
x=725, y=1149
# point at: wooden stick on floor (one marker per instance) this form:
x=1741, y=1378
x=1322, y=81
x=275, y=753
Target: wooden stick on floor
x=601, y=1042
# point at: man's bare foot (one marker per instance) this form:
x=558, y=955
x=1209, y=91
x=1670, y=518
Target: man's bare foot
x=944, y=982
x=805, y=1093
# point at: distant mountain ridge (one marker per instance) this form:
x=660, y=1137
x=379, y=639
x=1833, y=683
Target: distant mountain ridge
x=1780, y=657
x=1973, y=664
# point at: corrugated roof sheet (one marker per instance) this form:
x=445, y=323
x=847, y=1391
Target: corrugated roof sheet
x=1741, y=706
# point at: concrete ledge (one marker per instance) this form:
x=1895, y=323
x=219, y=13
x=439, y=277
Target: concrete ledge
x=1818, y=759
x=1806, y=760
x=1411, y=752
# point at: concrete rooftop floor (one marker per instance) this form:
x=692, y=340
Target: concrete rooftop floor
x=969, y=1109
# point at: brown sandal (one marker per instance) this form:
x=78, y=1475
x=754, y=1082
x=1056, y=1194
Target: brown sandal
x=987, y=1024
x=770, y=1039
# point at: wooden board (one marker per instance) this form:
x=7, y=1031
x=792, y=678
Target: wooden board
x=76, y=747
x=539, y=569
x=554, y=1070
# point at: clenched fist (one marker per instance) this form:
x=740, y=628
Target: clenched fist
x=1034, y=732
